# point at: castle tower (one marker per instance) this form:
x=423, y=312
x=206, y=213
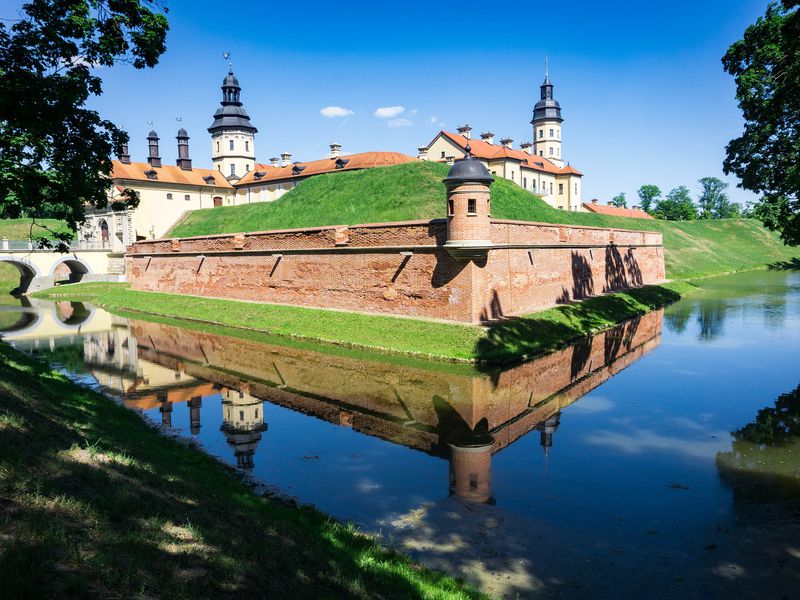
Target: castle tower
x=232, y=134
x=468, y=208
x=547, y=124
x=471, y=470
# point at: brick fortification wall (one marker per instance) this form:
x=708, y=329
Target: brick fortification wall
x=403, y=268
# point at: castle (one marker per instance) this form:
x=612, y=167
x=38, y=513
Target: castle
x=537, y=166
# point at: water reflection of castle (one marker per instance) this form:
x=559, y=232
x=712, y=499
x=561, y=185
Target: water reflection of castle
x=455, y=413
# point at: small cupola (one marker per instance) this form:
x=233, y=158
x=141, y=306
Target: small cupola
x=184, y=162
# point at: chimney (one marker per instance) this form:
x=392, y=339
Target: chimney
x=336, y=150
x=274, y=161
x=636, y=207
x=422, y=153
x=184, y=162
x=506, y=142
x=152, y=142
x=465, y=130
x=286, y=159
x=594, y=200
x=488, y=137
x=124, y=156
x=526, y=147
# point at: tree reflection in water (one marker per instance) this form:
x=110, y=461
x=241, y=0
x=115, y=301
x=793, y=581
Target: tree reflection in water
x=764, y=463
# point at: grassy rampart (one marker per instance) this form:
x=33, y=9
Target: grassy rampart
x=415, y=191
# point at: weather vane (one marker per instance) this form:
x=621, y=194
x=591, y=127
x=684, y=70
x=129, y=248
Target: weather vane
x=227, y=56
x=179, y=119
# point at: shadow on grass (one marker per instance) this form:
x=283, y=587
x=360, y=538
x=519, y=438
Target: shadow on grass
x=793, y=264
x=94, y=503
x=518, y=339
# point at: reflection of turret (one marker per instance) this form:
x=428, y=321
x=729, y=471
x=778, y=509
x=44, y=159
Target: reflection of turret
x=471, y=470
x=548, y=428
x=243, y=422
x=165, y=409
x=194, y=414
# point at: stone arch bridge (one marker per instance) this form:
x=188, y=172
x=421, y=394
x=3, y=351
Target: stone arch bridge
x=42, y=269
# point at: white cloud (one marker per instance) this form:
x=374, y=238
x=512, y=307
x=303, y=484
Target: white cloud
x=432, y=119
x=335, y=111
x=413, y=112
x=387, y=112
x=400, y=123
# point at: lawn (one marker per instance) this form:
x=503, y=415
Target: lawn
x=96, y=503
x=507, y=342
x=415, y=191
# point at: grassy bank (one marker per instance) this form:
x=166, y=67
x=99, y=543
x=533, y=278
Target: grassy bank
x=22, y=229
x=506, y=342
x=95, y=503
x=415, y=191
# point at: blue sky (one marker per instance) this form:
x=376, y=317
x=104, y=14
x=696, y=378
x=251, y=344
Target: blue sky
x=641, y=85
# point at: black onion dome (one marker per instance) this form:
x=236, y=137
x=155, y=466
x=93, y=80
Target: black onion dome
x=548, y=108
x=231, y=115
x=467, y=169
x=182, y=133
x=152, y=135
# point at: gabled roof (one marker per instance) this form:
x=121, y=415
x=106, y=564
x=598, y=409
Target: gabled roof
x=136, y=171
x=490, y=152
x=603, y=209
x=365, y=160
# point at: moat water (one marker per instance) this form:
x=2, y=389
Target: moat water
x=658, y=459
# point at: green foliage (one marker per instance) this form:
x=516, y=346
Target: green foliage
x=54, y=152
x=619, y=201
x=766, y=157
x=648, y=195
x=677, y=206
x=713, y=199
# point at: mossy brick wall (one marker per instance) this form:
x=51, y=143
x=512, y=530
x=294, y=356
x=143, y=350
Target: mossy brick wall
x=402, y=268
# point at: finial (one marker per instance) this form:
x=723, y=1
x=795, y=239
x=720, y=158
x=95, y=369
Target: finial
x=227, y=56
x=150, y=123
x=546, y=67
x=468, y=149
x=179, y=119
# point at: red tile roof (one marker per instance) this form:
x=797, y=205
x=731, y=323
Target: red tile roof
x=135, y=171
x=602, y=209
x=487, y=151
x=363, y=160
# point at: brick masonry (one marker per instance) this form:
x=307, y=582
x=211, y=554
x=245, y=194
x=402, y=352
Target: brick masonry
x=403, y=268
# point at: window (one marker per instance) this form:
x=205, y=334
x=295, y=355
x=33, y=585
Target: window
x=233, y=169
x=169, y=196
x=551, y=187
x=541, y=133
x=560, y=189
x=217, y=146
x=187, y=197
x=525, y=182
x=551, y=133
x=541, y=152
x=551, y=151
x=512, y=175
x=472, y=206
x=450, y=207
x=241, y=415
x=219, y=168
x=576, y=188
x=534, y=185
x=231, y=144
x=247, y=168
x=247, y=146
x=442, y=153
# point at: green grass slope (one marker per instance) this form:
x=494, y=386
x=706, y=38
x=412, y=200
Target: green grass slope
x=20, y=229
x=415, y=191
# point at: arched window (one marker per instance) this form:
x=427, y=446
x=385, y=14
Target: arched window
x=169, y=196
x=187, y=197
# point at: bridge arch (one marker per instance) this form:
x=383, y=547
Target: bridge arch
x=27, y=270
x=71, y=268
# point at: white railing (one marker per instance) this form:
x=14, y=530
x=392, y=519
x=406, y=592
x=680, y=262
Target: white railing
x=28, y=245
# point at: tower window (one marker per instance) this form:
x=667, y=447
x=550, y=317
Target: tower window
x=561, y=189
x=187, y=197
x=233, y=169
x=247, y=146
x=541, y=133
x=450, y=207
x=551, y=151
x=247, y=168
x=472, y=206
x=231, y=144
x=169, y=196
x=551, y=133
x=217, y=146
x=576, y=188
x=541, y=152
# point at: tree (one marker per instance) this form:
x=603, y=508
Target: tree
x=677, y=206
x=55, y=154
x=648, y=195
x=712, y=198
x=619, y=201
x=766, y=157
x=727, y=209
